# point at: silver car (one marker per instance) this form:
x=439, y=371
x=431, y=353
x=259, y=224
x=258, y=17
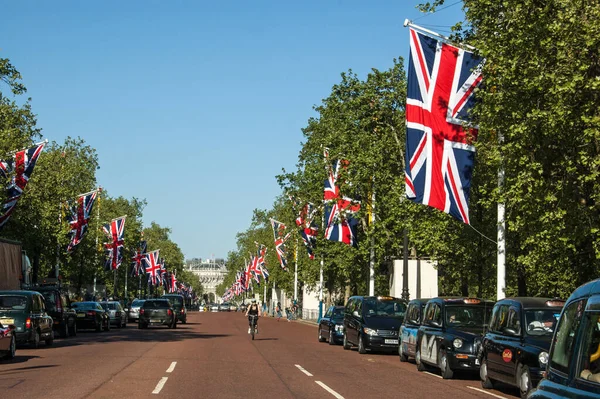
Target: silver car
x=115, y=311
x=134, y=310
x=214, y=307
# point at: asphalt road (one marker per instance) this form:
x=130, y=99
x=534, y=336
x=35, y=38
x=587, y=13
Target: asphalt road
x=213, y=357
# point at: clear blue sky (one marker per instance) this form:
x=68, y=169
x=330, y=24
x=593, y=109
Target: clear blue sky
x=195, y=105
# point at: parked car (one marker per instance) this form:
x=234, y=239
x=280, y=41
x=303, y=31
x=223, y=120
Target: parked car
x=91, y=315
x=410, y=327
x=214, y=307
x=451, y=333
x=157, y=312
x=224, y=307
x=573, y=369
x=178, y=304
x=26, y=311
x=373, y=323
x=133, y=312
x=116, y=313
x=58, y=306
x=8, y=342
x=233, y=308
x=331, y=326
x=515, y=348
x=243, y=307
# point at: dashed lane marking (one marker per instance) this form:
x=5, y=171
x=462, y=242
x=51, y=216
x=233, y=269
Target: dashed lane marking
x=171, y=367
x=160, y=385
x=331, y=391
x=435, y=375
x=303, y=370
x=489, y=393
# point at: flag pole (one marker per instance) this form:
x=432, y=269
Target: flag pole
x=501, y=257
x=296, y=272
x=97, y=232
x=408, y=23
x=372, y=255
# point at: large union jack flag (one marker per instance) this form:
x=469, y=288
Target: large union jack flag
x=151, y=260
x=21, y=166
x=80, y=217
x=138, y=258
x=308, y=229
x=340, y=223
x=261, y=260
x=114, y=249
x=439, y=154
x=280, y=239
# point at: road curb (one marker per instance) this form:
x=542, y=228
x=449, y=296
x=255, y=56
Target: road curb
x=309, y=322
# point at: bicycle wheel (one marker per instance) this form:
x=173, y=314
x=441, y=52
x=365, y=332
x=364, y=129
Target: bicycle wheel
x=252, y=331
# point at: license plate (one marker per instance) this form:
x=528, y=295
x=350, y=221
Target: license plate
x=6, y=322
x=391, y=341
x=155, y=321
x=81, y=315
x=477, y=362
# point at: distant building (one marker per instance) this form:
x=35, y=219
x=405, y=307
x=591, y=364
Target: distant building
x=211, y=272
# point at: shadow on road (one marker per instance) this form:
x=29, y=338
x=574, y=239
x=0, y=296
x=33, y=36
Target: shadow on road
x=21, y=369
x=266, y=339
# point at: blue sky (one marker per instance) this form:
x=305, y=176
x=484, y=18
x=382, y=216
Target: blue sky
x=193, y=105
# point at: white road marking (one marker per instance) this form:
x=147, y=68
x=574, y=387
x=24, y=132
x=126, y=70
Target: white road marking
x=331, y=391
x=160, y=385
x=304, y=371
x=489, y=393
x=171, y=367
x=435, y=375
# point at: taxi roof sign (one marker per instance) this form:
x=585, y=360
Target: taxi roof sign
x=472, y=300
x=385, y=297
x=555, y=302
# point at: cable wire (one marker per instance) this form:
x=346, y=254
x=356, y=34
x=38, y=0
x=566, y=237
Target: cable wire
x=431, y=13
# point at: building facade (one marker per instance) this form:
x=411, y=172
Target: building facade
x=211, y=272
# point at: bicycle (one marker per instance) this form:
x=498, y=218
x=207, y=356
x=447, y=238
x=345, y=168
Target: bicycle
x=253, y=319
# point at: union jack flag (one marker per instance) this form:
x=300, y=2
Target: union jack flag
x=260, y=260
x=79, y=218
x=439, y=155
x=280, y=239
x=340, y=224
x=152, y=266
x=137, y=259
x=308, y=229
x=114, y=249
x=162, y=273
x=22, y=165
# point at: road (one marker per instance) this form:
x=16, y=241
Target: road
x=213, y=357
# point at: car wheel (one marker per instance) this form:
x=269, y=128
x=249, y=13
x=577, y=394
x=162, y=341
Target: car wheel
x=420, y=365
x=184, y=321
x=447, y=372
x=361, y=345
x=331, y=340
x=346, y=345
x=124, y=324
x=98, y=326
x=73, y=329
x=50, y=341
x=403, y=357
x=486, y=381
x=524, y=381
x=319, y=336
x=36, y=340
x=107, y=327
x=12, y=350
x=64, y=331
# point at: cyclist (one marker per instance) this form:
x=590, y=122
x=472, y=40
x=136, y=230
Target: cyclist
x=253, y=310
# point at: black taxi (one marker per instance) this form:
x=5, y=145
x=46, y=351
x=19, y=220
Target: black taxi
x=410, y=327
x=573, y=369
x=451, y=333
x=515, y=348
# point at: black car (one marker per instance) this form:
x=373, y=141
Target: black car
x=410, y=328
x=373, y=323
x=451, y=334
x=178, y=304
x=27, y=312
x=59, y=308
x=515, y=348
x=331, y=325
x=91, y=315
x=573, y=369
x=157, y=312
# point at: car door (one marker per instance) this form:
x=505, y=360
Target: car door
x=44, y=321
x=350, y=327
x=410, y=328
x=324, y=323
x=431, y=333
x=495, y=342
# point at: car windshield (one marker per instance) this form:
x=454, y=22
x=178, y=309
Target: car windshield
x=156, y=304
x=338, y=313
x=384, y=308
x=13, y=302
x=541, y=321
x=85, y=305
x=137, y=303
x=468, y=315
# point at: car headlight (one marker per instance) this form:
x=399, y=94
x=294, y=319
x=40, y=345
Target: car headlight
x=457, y=343
x=339, y=328
x=369, y=331
x=543, y=358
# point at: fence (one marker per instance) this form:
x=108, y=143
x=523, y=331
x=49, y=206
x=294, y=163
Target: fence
x=310, y=314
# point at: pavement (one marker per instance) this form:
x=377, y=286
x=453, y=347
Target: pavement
x=212, y=356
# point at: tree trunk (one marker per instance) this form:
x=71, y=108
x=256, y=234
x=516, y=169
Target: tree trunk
x=521, y=281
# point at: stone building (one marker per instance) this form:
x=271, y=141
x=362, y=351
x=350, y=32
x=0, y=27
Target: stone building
x=211, y=273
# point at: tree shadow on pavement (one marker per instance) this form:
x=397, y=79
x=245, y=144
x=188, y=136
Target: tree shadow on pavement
x=266, y=339
x=21, y=369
